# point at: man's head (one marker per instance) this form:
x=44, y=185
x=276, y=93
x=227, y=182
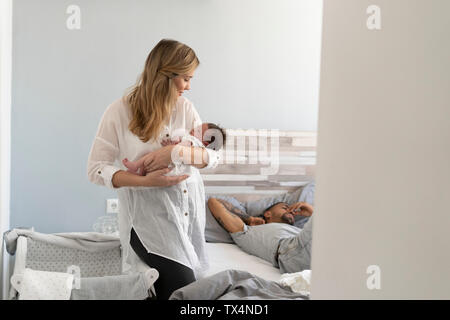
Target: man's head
x=278, y=212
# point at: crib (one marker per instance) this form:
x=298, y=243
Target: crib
x=93, y=258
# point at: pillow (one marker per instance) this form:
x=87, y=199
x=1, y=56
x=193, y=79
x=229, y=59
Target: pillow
x=303, y=194
x=214, y=232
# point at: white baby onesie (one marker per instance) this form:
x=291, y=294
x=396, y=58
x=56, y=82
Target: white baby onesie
x=181, y=168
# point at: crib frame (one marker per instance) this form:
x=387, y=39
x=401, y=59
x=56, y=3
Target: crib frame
x=20, y=264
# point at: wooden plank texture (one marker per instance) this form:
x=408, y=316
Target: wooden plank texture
x=261, y=163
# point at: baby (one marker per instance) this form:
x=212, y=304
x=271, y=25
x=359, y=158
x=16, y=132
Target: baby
x=208, y=141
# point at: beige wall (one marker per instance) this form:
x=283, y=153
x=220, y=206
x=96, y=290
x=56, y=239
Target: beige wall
x=383, y=174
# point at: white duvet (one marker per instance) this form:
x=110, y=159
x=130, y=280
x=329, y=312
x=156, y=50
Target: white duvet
x=225, y=256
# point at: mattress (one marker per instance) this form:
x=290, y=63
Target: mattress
x=224, y=256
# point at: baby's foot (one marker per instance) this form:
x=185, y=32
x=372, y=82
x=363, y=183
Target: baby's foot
x=131, y=166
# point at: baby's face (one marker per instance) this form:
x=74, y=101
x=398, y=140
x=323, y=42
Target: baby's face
x=200, y=130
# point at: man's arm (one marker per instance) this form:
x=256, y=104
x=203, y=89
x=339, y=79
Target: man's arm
x=301, y=209
x=249, y=220
x=230, y=221
x=236, y=211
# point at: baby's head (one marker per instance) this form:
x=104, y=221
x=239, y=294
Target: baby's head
x=211, y=133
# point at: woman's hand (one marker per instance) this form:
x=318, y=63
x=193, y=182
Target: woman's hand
x=157, y=178
x=158, y=159
x=165, y=156
x=301, y=208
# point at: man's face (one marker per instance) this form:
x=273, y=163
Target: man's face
x=279, y=213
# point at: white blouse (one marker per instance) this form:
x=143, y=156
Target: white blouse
x=170, y=221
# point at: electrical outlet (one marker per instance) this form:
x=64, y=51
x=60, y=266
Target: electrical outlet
x=112, y=206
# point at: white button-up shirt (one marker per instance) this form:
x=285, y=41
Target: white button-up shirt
x=170, y=221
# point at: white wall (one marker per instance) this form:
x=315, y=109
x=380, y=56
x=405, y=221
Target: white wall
x=5, y=129
x=259, y=69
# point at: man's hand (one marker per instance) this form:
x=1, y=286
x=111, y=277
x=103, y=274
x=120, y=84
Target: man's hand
x=301, y=209
x=255, y=221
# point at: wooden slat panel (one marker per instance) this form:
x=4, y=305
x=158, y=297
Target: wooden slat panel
x=233, y=177
x=230, y=169
x=249, y=153
x=242, y=190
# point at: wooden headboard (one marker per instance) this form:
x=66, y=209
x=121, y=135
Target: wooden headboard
x=248, y=169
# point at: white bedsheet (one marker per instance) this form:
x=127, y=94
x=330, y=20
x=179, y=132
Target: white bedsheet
x=224, y=256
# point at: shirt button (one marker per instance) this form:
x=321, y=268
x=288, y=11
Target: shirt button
x=99, y=172
x=186, y=214
x=184, y=191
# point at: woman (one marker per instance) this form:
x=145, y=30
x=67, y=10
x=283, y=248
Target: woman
x=162, y=218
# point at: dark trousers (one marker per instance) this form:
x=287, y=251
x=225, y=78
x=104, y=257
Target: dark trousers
x=172, y=275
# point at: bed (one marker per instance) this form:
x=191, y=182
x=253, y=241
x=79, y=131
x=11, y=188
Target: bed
x=227, y=256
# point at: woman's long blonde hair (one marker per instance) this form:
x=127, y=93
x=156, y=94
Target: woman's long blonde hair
x=154, y=95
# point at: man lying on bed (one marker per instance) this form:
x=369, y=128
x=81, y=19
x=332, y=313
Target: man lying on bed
x=271, y=236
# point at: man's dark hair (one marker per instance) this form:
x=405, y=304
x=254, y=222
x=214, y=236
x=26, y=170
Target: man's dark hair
x=273, y=205
x=218, y=145
x=268, y=208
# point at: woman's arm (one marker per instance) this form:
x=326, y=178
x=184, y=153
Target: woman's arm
x=196, y=156
x=101, y=168
x=126, y=179
x=152, y=179
x=104, y=150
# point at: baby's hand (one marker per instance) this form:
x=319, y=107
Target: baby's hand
x=186, y=143
x=169, y=142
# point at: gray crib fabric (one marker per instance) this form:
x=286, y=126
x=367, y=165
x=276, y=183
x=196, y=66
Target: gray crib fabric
x=124, y=287
x=94, y=258
x=50, y=257
x=86, y=241
x=93, y=253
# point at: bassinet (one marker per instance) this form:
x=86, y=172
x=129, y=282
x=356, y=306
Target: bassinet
x=87, y=255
